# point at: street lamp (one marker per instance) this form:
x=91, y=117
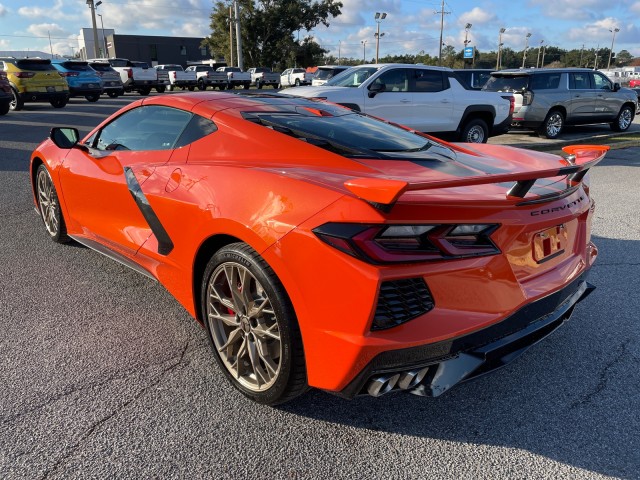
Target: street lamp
x=378, y=18
x=364, y=50
x=539, y=48
x=104, y=39
x=95, y=28
x=614, y=31
x=502, y=30
x=467, y=27
x=526, y=46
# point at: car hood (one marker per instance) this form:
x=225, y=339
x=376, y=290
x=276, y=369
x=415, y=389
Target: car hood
x=321, y=91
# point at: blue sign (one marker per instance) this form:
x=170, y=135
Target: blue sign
x=468, y=52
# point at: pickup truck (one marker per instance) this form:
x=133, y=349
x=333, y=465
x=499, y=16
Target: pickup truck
x=295, y=76
x=134, y=77
x=261, y=76
x=178, y=78
x=162, y=77
x=206, y=76
x=236, y=77
x=423, y=98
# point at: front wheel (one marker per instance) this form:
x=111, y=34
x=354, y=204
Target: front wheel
x=16, y=102
x=552, y=125
x=94, y=97
x=297, y=82
x=623, y=120
x=252, y=326
x=59, y=102
x=475, y=131
x=49, y=206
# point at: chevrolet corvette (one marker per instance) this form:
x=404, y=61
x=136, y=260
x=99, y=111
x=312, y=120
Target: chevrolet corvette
x=321, y=247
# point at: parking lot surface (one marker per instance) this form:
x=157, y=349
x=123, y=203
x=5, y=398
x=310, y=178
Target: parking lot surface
x=104, y=375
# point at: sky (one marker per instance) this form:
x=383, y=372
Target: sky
x=411, y=26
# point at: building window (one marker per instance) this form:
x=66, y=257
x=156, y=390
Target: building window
x=203, y=51
x=183, y=50
x=153, y=52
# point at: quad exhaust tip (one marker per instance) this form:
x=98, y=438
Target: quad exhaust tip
x=385, y=383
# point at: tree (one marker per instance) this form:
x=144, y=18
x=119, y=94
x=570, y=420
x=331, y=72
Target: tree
x=623, y=58
x=270, y=29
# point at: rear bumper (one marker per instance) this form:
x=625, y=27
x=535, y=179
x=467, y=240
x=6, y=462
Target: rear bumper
x=430, y=370
x=502, y=127
x=43, y=96
x=85, y=91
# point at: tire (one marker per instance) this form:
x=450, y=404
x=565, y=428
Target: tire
x=297, y=82
x=144, y=91
x=259, y=85
x=201, y=85
x=230, y=86
x=113, y=94
x=170, y=88
x=4, y=108
x=222, y=87
x=552, y=125
x=94, y=97
x=161, y=89
x=49, y=206
x=16, y=103
x=246, y=86
x=59, y=102
x=623, y=120
x=191, y=89
x=239, y=330
x=475, y=131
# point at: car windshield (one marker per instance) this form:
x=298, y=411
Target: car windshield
x=507, y=83
x=352, y=77
x=102, y=67
x=35, y=65
x=349, y=134
x=77, y=66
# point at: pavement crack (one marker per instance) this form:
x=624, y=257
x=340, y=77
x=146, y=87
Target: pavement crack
x=602, y=378
x=96, y=425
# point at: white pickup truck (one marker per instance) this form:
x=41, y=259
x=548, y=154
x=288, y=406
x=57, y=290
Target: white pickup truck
x=134, y=78
x=295, y=76
x=178, y=77
x=426, y=99
x=236, y=77
x=206, y=76
x=263, y=76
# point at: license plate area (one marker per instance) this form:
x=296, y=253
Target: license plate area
x=550, y=243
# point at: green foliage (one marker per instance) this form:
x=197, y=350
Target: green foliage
x=270, y=30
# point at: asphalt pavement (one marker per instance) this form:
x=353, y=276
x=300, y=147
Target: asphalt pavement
x=104, y=374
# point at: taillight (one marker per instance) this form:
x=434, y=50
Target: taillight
x=174, y=75
x=129, y=72
x=512, y=103
x=231, y=75
x=68, y=74
x=100, y=74
x=380, y=244
x=527, y=97
x=25, y=74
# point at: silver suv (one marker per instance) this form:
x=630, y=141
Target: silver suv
x=548, y=99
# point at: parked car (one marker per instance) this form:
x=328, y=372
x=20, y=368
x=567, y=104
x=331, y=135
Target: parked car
x=207, y=76
x=34, y=80
x=475, y=78
x=236, y=77
x=427, y=99
x=111, y=81
x=263, y=76
x=6, y=96
x=83, y=80
x=548, y=99
x=295, y=77
x=366, y=259
x=161, y=81
x=325, y=73
x=177, y=76
x=135, y=77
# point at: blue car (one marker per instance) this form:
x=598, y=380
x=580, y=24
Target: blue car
x=82, y=79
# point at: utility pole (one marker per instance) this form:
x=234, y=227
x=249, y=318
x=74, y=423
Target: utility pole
x=50, y=47
x=378, y=18
x=498, y=62
x=238, y=35
x=539, y=48
x=95, y=28
x=526, y=46
x=581, y=50
x=441, y=12
x=364, y=51
x=231, y=36
x=614, y=31
x=339, y=45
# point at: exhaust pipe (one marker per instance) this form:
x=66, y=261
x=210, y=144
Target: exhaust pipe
x=382, y=384
x=412, y=378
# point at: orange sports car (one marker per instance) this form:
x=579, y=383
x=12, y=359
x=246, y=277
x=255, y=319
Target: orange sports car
x=322, y=247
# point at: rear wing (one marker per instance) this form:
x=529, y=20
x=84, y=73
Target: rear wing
x=384, y=193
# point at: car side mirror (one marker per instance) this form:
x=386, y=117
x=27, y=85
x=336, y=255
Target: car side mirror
x=63, y=137
x=616, y=87
x=376, y=88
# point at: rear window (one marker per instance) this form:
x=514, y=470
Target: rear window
x=118, y=62
x=507, y=83
x=77, y=66
x=327, y=73
x=102, y=67
x=545, y=81
x=36, y=65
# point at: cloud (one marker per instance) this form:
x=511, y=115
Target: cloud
x=569, y=9
x=3, y=10
x=47, y=29
x=56, y=12
x=597, y=31
x=477, y=16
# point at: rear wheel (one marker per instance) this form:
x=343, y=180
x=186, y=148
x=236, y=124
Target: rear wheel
x=552, y=125
x=191, y=88
x=161, y=89
x=623, y=120
x=144, y=91
x=475, y=131
x=252, y=326
x=49, y=206
x=59, y=102
x=16, y=102
x=94, y=97
x=259, y=85
x=113, y=94
x=297, y=82
x=201, y=85
x=246, y=86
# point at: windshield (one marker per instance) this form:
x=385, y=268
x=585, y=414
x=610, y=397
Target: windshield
x=507, y=83
x=352, y=77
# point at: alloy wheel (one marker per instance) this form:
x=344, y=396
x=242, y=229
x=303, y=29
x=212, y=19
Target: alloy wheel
x=48, y=202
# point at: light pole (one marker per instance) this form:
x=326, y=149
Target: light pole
x=104, y=39
x=364, y=50
x=467, y=27
x=95, y=28
x=542, y=61
x=526, y=46
x=378, y=18
x=614, y=31
x=502, y=30
x=539, y=48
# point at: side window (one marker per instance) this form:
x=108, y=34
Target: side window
x=197, y=128
x=396, y=80
x=545, y=81
x=144, y=128
x=580, y=81
x=428, y=81
x=601, y=82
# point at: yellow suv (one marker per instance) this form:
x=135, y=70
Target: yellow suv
x=36, y=80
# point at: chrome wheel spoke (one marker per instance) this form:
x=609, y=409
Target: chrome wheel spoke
x=233, y=337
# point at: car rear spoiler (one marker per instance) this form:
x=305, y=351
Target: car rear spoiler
x=383, y=193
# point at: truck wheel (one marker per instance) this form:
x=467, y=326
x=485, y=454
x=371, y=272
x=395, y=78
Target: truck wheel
x=170, y=88
x=160, y=89
x=113, y=94
x=191, y=88
x=201, y=85
x=552, y=125
x=246, y=86
x=297, y=82
x=222, y=87
x=229, y=86
x=623, y=120
x=259, y=85
x=144, y=91
x=475, y=131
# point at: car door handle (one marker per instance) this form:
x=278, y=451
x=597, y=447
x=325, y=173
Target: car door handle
x=576, y=96
x=444, y=100
x=404, y=100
